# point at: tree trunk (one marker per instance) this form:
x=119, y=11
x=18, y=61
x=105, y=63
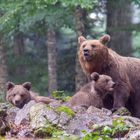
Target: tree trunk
x=3, y=68
x=51, y=48
x=80, y=16
x=118, y=20
x=19, y=51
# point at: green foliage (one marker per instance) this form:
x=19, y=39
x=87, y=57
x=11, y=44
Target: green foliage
x=48, y=131
x=65, y=109
x=63, y=135
x=136, y=44
x=88, y=4
x=60, y=95
x=136, y=2
x=26, y=14
x=60, y=133
x=117, y=130
x=2, y=96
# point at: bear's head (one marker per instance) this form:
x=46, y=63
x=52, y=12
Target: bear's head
x=91, y=50
x=102, y=83
x=18, y=95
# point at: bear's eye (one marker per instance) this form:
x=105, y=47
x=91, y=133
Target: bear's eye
x=106, y=80
x=93, y=46
x=84, y=46
x=14, y=94
x=22, y=95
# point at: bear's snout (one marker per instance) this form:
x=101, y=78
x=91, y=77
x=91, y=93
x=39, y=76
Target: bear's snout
x=17, y=102
x=86, y=52
x=113, y=85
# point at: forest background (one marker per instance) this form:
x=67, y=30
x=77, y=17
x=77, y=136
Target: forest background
x=38, y=39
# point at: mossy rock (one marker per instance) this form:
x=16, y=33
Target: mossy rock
x=44, y=131
x=122, y=112
x=66, y=110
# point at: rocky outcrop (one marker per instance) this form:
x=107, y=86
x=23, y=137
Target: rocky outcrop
x=58, y=120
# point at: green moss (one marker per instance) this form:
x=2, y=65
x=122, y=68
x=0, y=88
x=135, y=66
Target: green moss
x=67, y=98
x=60, y=95
x=65, y=109
x=46, y=131
x=122, y=112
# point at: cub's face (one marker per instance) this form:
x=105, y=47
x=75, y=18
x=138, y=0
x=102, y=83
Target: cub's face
x=92, y=49
x=103, y=83
x=18, y=95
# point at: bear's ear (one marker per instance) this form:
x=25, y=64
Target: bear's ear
x=105, y=39
x=27, y=85
x=9, y=85
x=81, y=39
x=94, y=76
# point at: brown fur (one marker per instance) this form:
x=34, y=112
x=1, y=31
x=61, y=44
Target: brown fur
x=19, y=95
x=94, y=92
x=123, y=70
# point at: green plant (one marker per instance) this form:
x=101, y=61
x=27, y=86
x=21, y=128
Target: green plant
x=60, y=95
x=118, y=129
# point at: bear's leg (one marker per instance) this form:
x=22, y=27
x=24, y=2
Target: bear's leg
x=136, y=105
x=121, y=96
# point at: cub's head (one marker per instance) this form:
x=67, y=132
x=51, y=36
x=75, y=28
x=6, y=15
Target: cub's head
x=102, y=83
x=18, y=95
x=93, y=49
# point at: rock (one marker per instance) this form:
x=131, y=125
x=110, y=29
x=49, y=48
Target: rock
x=22, y=114
x=134, y=134
x=83, y=121
x=4, y=126
x=79, y=109
x=41, y=114
x=122, y=112
x=41, y=120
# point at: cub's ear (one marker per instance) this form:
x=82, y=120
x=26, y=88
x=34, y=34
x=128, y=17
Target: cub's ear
x=9, y=85
x=94, y=76
x=105, y=39
x=27, y=85
x=81, y=39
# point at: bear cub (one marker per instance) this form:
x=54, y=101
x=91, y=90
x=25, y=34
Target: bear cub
x=93, y=93
x=19, y=95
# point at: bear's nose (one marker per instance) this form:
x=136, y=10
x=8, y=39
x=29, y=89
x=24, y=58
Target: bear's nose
x=17, y=101
x=114, y=84
x=86, y=50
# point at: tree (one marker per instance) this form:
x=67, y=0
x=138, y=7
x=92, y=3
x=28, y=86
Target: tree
x=118, y=22
x=51, y=48
x=50, y=15
x=80, y=17
x=80, y=7
x=18, y=52
x=3, y=66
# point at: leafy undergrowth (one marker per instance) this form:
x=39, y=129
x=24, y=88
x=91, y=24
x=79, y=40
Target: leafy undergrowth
x=117, y=130
x=53, y=133
x=60, y=95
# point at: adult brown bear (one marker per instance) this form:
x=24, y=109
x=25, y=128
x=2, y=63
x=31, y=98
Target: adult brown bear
x=95, y=56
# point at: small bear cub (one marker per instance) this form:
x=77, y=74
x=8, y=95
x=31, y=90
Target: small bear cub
x=93, y=93
x=19, y=95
